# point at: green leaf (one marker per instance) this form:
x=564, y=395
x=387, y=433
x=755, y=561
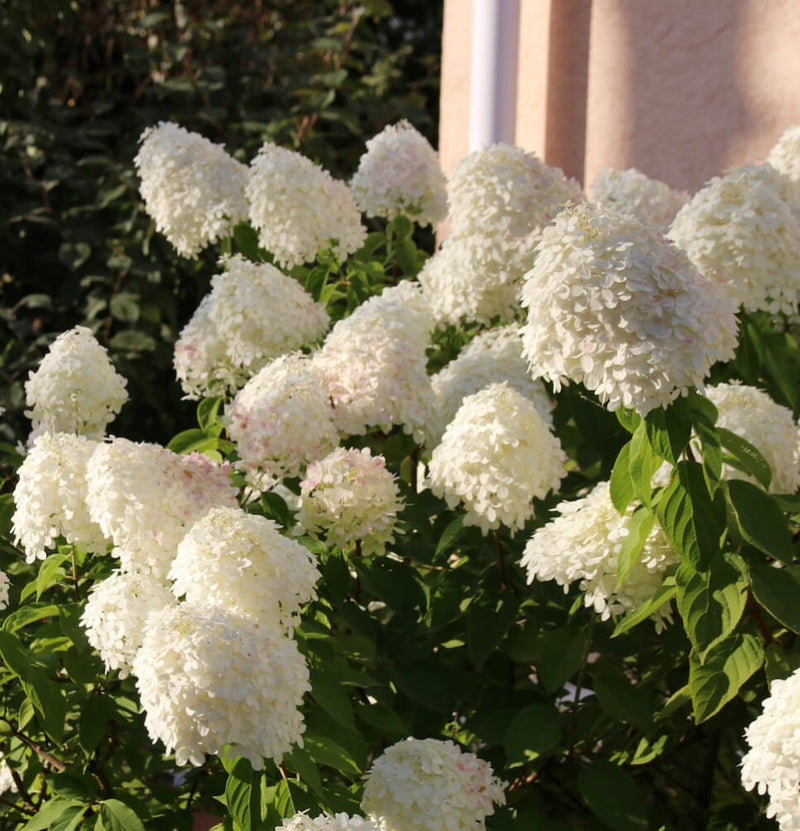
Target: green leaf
x=629, y=419
x=194, y=440
x=406, y=253
x=711, y=602
x=718, y=677
x=208, y=415
x=332, y=697
x=667, y=591
x=449, y=536
x=560, y=657
x=50, y=572
x=668, y=430
x=488, y=621
x=275, y=507
x=48, y=702
x=643, y=464
x=613, y=796
x=533, y=731
x=641, y=525
x=693, y=521
x=241, y=797
x=117, y=816
x=20, y=618
x=54, y=814
x=778, y=591
x=759, y=520
x=704, y=419
x=745, y=457
x=621, y=487
x=393, y=582
x=93, y=722
x=325, y=751
x=625, y=701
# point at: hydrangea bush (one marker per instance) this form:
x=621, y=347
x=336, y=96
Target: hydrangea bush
x=499, y=536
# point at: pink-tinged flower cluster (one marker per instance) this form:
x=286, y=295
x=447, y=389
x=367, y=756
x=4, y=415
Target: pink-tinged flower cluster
x=350, y=495
x=421, y=784
x=328, y=822
x=281, y=419
x=299, y=209
x=400, y=174
x=253, y=314
x=613, y=305
x=743, y=230
x=191, y=187
x=496, y=456
x=76, y=388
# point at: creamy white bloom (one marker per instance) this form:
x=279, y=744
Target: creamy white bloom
x=422, y=784
x=752, y=414
x=496, y=456
x=145, y=498
x=328, y=822
x=633, y=193
x=400, y=174
x=374, y=366
x=50, y=497
x=772, y=765
x=4, y=586
x=612, y=305
x=741, y=231
x=76, y=388
x=116, y=612
x=281, y=420
x=253, y=314
x=191, y=187
x=241, y=562
x=208, y=678
x=492, y=356
x=582, y=544
x=785, y=155
x=350, y=495
x=7, y=783
x=299, y=209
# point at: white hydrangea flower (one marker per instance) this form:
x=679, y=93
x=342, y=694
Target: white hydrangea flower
x=76, y=388
x=496, y=456
x=145, y=498
x=613, y=305
x=328, y=822
x=400, y=174
x=785, y=155
x=472, y=277
x=772, y=765
x=350, y=495
x=116, y=612
x=633, y=193
x=492, y=356
x=7, y=783
x=191, y=187
x=741, y=231
x=421, y=784
x=752, y=414
x=299, y=209
x=503, y=192
x=4, y=586
x=208, y=678
x=50, y=497
x=583, y=544
x=374, y=365
x=253, y=314
x=281, y=420
x=241, y=562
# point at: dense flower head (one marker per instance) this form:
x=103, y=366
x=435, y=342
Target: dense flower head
x=328, y=822
x=633, y=193
x=7, y=783
x=350, y=495
x=4, y=586
x=785, y=155
x=50, y=497
x=208, y=678
x=503, y=192
x=116, y=612
x=299, y=209
x=612, y=305
x=741, y=230
x=421, y=784
x=751, y=413
x=492, y=356
x=241, y=562
x=374, y=366
x=76, y=388
x=400, y=174
x=582, y=544
x=191, y=187
x=281, y=419
x=145, y=498
x=253, y=314
x=772, y=764
x=496, y=456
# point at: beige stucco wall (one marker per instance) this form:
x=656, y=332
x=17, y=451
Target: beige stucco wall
x=682, y=89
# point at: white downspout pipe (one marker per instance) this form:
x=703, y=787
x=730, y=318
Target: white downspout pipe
x=493, y=83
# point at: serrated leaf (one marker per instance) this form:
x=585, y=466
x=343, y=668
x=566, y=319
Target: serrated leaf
x=711, y=602
x=745, y=457
x=759, y=520
x=117, y=816
x=778, y=591
x=667, y=591
x=718, y=677
x=668, y=430
x=241, y=797
x=639, y=528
